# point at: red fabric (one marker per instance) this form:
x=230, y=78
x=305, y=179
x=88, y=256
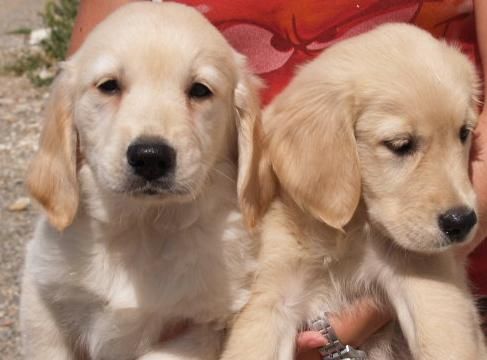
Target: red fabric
x=278, y=35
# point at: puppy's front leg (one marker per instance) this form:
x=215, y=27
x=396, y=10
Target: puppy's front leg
x=266, y=328
x=436, y=311
x=262, y=331
x=41, y=336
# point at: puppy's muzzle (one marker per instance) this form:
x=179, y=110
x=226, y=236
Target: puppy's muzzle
x=456, y=223
x=151, y=159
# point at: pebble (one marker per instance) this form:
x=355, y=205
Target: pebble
x=20, y=204
x=37, y=35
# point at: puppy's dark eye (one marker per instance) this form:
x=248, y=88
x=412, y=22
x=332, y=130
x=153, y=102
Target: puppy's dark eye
x=464, y=133
x=401, y=147
x=199, y=91
x=109, y=86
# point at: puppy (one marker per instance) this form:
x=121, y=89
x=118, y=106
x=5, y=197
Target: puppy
x=358, y=175
x=143, y=240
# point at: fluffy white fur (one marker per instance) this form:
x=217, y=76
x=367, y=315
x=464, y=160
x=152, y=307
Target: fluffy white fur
x=342, y=216
x=115, y=265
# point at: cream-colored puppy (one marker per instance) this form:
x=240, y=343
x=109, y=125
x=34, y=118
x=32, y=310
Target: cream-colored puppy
x=361, y=164
x=136, y=170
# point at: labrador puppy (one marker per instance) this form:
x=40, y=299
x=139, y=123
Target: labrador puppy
x=358, y=177
x=142, y=253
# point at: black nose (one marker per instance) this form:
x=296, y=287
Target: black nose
x=151, y=159
x=456, y=223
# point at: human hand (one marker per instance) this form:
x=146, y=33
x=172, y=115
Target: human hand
x=90, y=13
x=308, y=343
x=353, y=327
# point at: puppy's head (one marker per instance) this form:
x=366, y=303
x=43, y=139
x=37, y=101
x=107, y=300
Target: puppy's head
x=149, y=103
x=386, y=117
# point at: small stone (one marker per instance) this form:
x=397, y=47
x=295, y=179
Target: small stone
x=20, y=204
x=46, y=74
x=38, y=35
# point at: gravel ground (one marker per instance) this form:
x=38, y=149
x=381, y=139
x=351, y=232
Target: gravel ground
x=20, y=109
x=20, y=115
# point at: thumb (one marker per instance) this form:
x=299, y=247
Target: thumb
x=309, y=340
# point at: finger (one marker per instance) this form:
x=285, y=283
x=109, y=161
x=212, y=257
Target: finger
x=308, y=340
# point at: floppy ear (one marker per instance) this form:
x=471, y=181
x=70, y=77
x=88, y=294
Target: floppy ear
x=313, y=150
x=256, y=183
x=52, y=176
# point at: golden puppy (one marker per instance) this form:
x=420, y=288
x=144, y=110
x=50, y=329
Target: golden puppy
x=358, y=175
x=136, y=170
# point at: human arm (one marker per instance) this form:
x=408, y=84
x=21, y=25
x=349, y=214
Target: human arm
x=90, y=13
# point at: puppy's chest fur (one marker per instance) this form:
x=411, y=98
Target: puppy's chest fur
x=142, y=276
x=188, y=273
x=326, y=270
x=318, y=269
x=353, y=274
